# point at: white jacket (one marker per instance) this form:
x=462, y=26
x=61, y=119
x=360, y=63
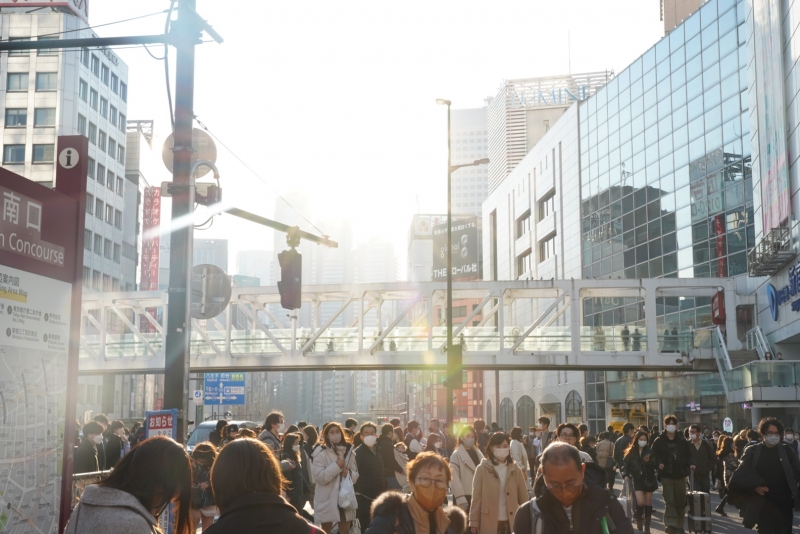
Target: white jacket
x=519, y=455
x=463, y=469
x=327, y=475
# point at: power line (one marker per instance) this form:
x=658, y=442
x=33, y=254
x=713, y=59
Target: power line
x=166, y=64
x=91, y=27
x=258, y=176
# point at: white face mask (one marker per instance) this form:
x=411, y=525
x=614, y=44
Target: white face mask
x=772, y=440
x=468, y=442
x=295, y=448
x=335, y=438
x=693, y=436
x=500, y=454
x=642, y=443
x=789, y=437
x=369, y=441
x=98, y=439
x=671, y=429
x=438, y=445
x=281, y=427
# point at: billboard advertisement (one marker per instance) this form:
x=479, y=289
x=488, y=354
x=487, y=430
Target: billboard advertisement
x=771, y=107
x=466, y=255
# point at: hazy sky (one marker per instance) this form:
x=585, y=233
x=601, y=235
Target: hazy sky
x=338, y=98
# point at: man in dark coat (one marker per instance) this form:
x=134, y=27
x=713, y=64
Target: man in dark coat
x=114, y=448
x=569, y=490
x=86, y=460
x=256, y=513
x=371, y=474
x=674, y=459
x=385, y=447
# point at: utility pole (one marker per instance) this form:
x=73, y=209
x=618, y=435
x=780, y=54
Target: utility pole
x=179, y=320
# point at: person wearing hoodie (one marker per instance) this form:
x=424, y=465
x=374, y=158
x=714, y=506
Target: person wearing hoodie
x=638, y=464
x=570, y=502
x=273, y=426
x=419, y=512
x=498, y=489
x=674, y=459
x=463, y=463
x=86, y=456
x=157, y=472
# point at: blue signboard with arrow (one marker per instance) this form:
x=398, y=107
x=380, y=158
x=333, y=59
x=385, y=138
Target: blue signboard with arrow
x=224, y=389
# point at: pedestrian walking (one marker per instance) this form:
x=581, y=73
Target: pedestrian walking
x=421, y=511
x=333, y=462
x=116, y=444
x=463, y=463
x=247, y=483
x=86, y=458
x=571, y=502
x=271, y=435
x=371, y=480
x=605, y=457
x=673, y=457
x=636, y=339
x=483, y=434
x=703, y=458
x=588, y=445
x=204, y=507
x=498, y=489
x=639, y=467
x=412, y=440
x=726, y=455
x=791, y=441
x=311, y=442
x=625, y=335
x=385, y=446
x=292, y=470
x=215, y=436
x=518, y=453
x=130, y=500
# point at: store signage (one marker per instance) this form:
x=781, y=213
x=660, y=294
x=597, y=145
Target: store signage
x=776, y=297
x=21, y=229
x=163, y=423
x=727, y=425
x=465, y=250
x=537, y=98
x=718, y=308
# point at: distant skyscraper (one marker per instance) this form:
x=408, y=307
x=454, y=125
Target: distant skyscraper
x=468, y=136
x=420, y=247
x=211, y=251
x=254, y=263
x=673, y=12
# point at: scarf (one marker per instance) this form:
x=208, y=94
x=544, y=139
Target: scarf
x=423, y=520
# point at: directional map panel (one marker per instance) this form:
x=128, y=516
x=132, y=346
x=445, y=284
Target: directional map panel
x=224, y=388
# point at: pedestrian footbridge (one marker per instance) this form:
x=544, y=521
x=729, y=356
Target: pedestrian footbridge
x=502, y=325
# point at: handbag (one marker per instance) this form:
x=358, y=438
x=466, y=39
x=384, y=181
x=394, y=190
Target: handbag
x=347, y=493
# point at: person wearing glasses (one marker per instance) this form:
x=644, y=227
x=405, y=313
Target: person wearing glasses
x=419, y=512
x=568, y=491
x=569, y=433
x=498, y=489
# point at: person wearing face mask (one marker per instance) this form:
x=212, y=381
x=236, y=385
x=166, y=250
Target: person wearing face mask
x=385, y=447
x=412, y=440
x=86, y=460
x=371, y=476
x=333, y=461
x=572, y=502
x=204, y=507
x=703, y=457
x=421, y=511
x=790, y=439
x=292, y=470
x=498, y=489
x=638, y=464
x=482, y=434
x=435, y=428
x=463, y=463
x=434, y=444
x=115, y=445
x=673, y=458
x=769, y=502
x=273, y=426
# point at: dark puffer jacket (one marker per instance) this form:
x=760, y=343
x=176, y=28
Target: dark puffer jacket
x=261, y=513
x=390, y=515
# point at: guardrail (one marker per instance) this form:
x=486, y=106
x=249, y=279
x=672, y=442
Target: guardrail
x=81, y=480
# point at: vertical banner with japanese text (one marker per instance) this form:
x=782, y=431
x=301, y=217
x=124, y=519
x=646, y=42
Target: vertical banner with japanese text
x=151, y=246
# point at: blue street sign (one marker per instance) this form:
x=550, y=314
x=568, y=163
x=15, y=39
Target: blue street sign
x=223, y=389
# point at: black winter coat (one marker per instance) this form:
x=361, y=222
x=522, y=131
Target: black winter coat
x=371, y=477
x=86, y=460
x=642, y=472
x=674, y=468
x=390, y=515
x=386, y=451
x=593, y=504
x=261, y=513
x=113, y=451
x=298, y=487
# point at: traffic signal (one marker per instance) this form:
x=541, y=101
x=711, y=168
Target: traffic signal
x=291, y=263
x=455, y=366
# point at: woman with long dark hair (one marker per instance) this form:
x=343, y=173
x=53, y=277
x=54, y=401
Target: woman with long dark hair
x=727, y=454
x=638, y=463
x=333, y=462
x=291, y=467
x=463, y=463
x=155, y=473
x=203, y=505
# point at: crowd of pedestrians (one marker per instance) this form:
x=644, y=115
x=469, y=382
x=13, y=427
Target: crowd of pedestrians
x=362, y=478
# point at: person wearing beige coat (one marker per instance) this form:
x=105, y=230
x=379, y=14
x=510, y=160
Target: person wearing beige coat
x=463, y=465
x=498, y=489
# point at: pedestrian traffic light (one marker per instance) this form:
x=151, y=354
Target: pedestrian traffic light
x=455, y=366
x=291, y=263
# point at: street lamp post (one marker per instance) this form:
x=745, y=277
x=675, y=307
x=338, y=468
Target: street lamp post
x=449, y=316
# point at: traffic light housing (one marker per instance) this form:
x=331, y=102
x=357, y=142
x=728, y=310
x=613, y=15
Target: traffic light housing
x=455, y=366
x=291, y=263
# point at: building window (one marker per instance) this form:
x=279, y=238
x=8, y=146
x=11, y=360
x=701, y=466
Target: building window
x=547, y=206
x=547, y=248
x=101, y=141
x=121, y=154
x=596, y=401
x=87, y=275
x=97, y=279
x=107, y=250
x=104, y=72
x=546, y=124
x=524, y=224
x=122, y=121
x=89, y=203
x=117, y=254
x=524, y=264
x=13, y=154
x=44, y=117
x=109, y=214
x=95, y=65
x=87, y=240
x=101, y=174
x=118, y=219
x=119, y=186
x=85, y=56
x=113, y=116
x=81, y=125
x=90, y=167
x=46, y=81
x=19, y=52
x=106, y=283
x=103, y=107
x=123, y=91
x=93, y=97
x=16, y=118
x=43, y=153
x=98, y=244
x=17, y=81
x=83, y=90
x=92, y=133
x=114, y=83
x=47, y=51
x=110, y=180
x=112, y=147
x=98, y=208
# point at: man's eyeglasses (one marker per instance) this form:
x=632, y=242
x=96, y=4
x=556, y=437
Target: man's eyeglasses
x=565, y=435
x=568, y=488
x=425, y=482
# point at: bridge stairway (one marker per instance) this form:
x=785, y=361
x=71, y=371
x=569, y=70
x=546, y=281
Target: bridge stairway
x=742, y=357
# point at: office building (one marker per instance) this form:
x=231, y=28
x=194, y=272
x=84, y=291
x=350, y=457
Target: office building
x=469, y=142
x=255, y=263
x=674, y=12
x=211, y=252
